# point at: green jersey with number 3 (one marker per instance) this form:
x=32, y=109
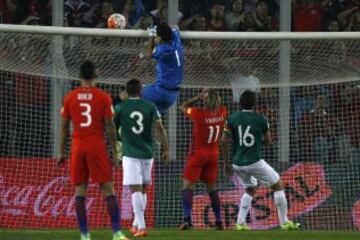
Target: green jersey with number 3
x=247, y=129
x=136, y=117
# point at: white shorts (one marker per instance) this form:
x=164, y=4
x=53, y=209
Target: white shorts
x=259, y=171
x=136, y=171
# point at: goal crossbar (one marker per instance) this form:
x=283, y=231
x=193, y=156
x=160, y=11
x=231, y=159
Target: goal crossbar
x=52, y=30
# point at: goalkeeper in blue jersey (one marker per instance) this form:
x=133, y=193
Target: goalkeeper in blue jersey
x=165, y=47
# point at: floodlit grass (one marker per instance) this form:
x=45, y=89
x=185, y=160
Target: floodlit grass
x=175, y=234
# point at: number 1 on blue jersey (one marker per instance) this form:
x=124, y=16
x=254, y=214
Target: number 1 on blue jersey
x=177, y=58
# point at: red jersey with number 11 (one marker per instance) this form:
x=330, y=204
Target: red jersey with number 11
x=207, y=127
x=87, y=107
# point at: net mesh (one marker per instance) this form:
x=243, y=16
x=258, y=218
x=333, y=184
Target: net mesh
x=321, y=175
x=210, y=61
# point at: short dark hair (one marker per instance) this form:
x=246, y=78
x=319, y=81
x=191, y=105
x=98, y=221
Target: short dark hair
x=88, y=70
x=134, y=87
x=164, y=31
x=248, y=100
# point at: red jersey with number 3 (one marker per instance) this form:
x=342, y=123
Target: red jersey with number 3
x=87, y=107
x=207, y=128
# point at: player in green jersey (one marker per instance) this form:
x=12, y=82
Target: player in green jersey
x=136, y=118
x=248, y=131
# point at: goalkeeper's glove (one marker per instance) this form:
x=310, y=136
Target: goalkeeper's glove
x=152, y=31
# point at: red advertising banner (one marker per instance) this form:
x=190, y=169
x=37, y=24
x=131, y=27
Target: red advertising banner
x=306, y=188
x=356, y=214
x=35, y=195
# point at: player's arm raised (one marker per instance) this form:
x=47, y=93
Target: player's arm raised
x=184, y=107
x=267, y=135
x=267, y=138
x=111, y=130
x=163, y=140
x=225, y=148
x=64, y=131
x=151, y=42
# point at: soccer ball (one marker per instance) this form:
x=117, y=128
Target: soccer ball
x=116, y=21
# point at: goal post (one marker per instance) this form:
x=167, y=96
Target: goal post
x=58, y=65
x=320, y=175
x=284, y=79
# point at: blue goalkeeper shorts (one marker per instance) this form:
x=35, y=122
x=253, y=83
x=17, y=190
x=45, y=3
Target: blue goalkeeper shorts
x=161, y=97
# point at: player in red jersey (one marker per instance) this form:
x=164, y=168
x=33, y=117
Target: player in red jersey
x=90, y=110
x=202, y=162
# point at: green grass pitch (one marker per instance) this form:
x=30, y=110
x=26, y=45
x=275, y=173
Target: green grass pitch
x=174, y=234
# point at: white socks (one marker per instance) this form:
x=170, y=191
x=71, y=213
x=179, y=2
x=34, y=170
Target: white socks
x=135, y=224
x=245, y=205
x=139, y=209
x=144, y=200
x=281, y=205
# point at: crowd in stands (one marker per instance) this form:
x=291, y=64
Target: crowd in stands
x=324, y=122
x=197, y=15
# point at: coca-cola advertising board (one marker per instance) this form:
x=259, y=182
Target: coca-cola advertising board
x=33, y=194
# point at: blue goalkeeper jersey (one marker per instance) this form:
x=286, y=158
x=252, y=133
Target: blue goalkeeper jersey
x=170, y=62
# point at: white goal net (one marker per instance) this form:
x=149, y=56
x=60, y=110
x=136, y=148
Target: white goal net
x=322, y=92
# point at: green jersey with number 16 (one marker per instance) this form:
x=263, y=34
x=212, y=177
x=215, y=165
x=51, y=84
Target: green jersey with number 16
x=136, y=117
x=247, y=129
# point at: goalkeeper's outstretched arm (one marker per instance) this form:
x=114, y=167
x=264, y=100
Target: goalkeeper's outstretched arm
x=151, y=43
x=150, y=47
